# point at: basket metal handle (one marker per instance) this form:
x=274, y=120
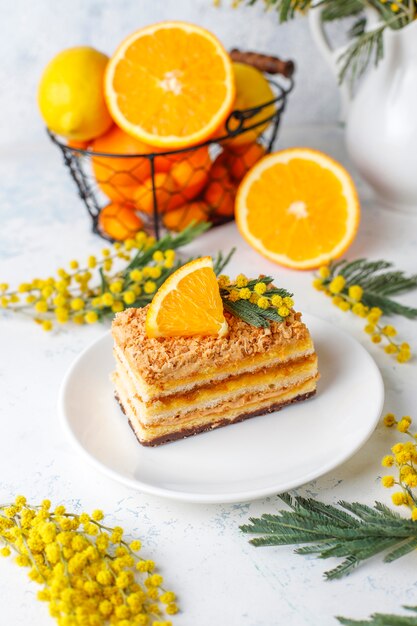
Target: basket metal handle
x=264, y=62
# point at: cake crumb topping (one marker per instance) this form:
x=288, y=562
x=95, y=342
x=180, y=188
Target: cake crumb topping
x=165, y=357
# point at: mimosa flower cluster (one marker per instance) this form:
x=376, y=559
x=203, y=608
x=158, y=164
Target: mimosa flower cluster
x=90, y=574
x=349, y=297
x=257, y=291
x=403, y=459
x=124, y=275
x=255, y=300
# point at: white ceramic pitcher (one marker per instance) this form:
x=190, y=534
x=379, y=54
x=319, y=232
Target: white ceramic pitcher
x=381, y=119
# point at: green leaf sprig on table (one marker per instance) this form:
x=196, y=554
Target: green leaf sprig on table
x=128, y=275
x=352, y=531
x=366, y=288
x=383, y=619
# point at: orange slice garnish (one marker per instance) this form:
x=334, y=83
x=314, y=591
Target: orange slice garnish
x=170, y=85
x=298, y=207
x=188, y=303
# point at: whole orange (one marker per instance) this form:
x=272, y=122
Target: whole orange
x=190, y=173
x=180, y=218
x=119, y=221
x=220, y=191
x=240, y=159
x=165, y=194
x=77, y=143
x=118, y=177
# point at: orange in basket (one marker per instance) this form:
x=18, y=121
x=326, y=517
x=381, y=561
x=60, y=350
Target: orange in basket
x=240, y=159
x=119, y=221
x=180, y=218
x=166, y=194
x=220, y=191
x=190, y=173
x=119, y=177
x=78, y=144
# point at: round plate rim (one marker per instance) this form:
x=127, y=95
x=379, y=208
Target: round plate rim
x=212, y=498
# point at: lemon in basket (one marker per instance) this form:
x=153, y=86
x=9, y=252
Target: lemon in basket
x=70, y=94
x=252, y=90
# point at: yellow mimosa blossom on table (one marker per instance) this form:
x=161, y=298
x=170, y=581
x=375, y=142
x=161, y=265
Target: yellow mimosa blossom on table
x=89, y=573
x=404, y=460
x=357, y=286
x=78, y=295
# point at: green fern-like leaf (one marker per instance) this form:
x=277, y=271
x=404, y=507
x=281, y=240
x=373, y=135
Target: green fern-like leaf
x=383, y=619
x=352, y=531
x=221, y=261
x=249, y=311
x=339, y=9
x=368, y=45
x=402, y=550
x=246, y=312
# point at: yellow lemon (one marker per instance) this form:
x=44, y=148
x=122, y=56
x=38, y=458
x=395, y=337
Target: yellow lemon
x=70, y=94
x=252, y=90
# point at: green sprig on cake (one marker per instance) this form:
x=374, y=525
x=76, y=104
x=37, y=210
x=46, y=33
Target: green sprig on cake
x=255, y=301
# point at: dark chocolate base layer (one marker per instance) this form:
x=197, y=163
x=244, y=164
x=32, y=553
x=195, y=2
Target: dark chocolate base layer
x=188, y=432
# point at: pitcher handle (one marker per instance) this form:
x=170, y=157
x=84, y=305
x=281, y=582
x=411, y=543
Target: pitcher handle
x=330, y=55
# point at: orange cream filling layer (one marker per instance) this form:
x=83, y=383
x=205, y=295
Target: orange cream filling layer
x=212, y=418
x=208, y=375
x=266, y=380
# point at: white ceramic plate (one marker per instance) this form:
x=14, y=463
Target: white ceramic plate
x=262, y=456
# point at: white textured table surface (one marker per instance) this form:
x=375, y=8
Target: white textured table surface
x=218, y=576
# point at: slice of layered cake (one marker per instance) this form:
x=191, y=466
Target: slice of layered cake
x=172, y=385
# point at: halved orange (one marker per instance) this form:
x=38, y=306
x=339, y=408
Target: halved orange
x=170, y=84
x=298, y=207
x=188, y=303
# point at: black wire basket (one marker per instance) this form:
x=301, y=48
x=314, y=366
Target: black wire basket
x=167, y=190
